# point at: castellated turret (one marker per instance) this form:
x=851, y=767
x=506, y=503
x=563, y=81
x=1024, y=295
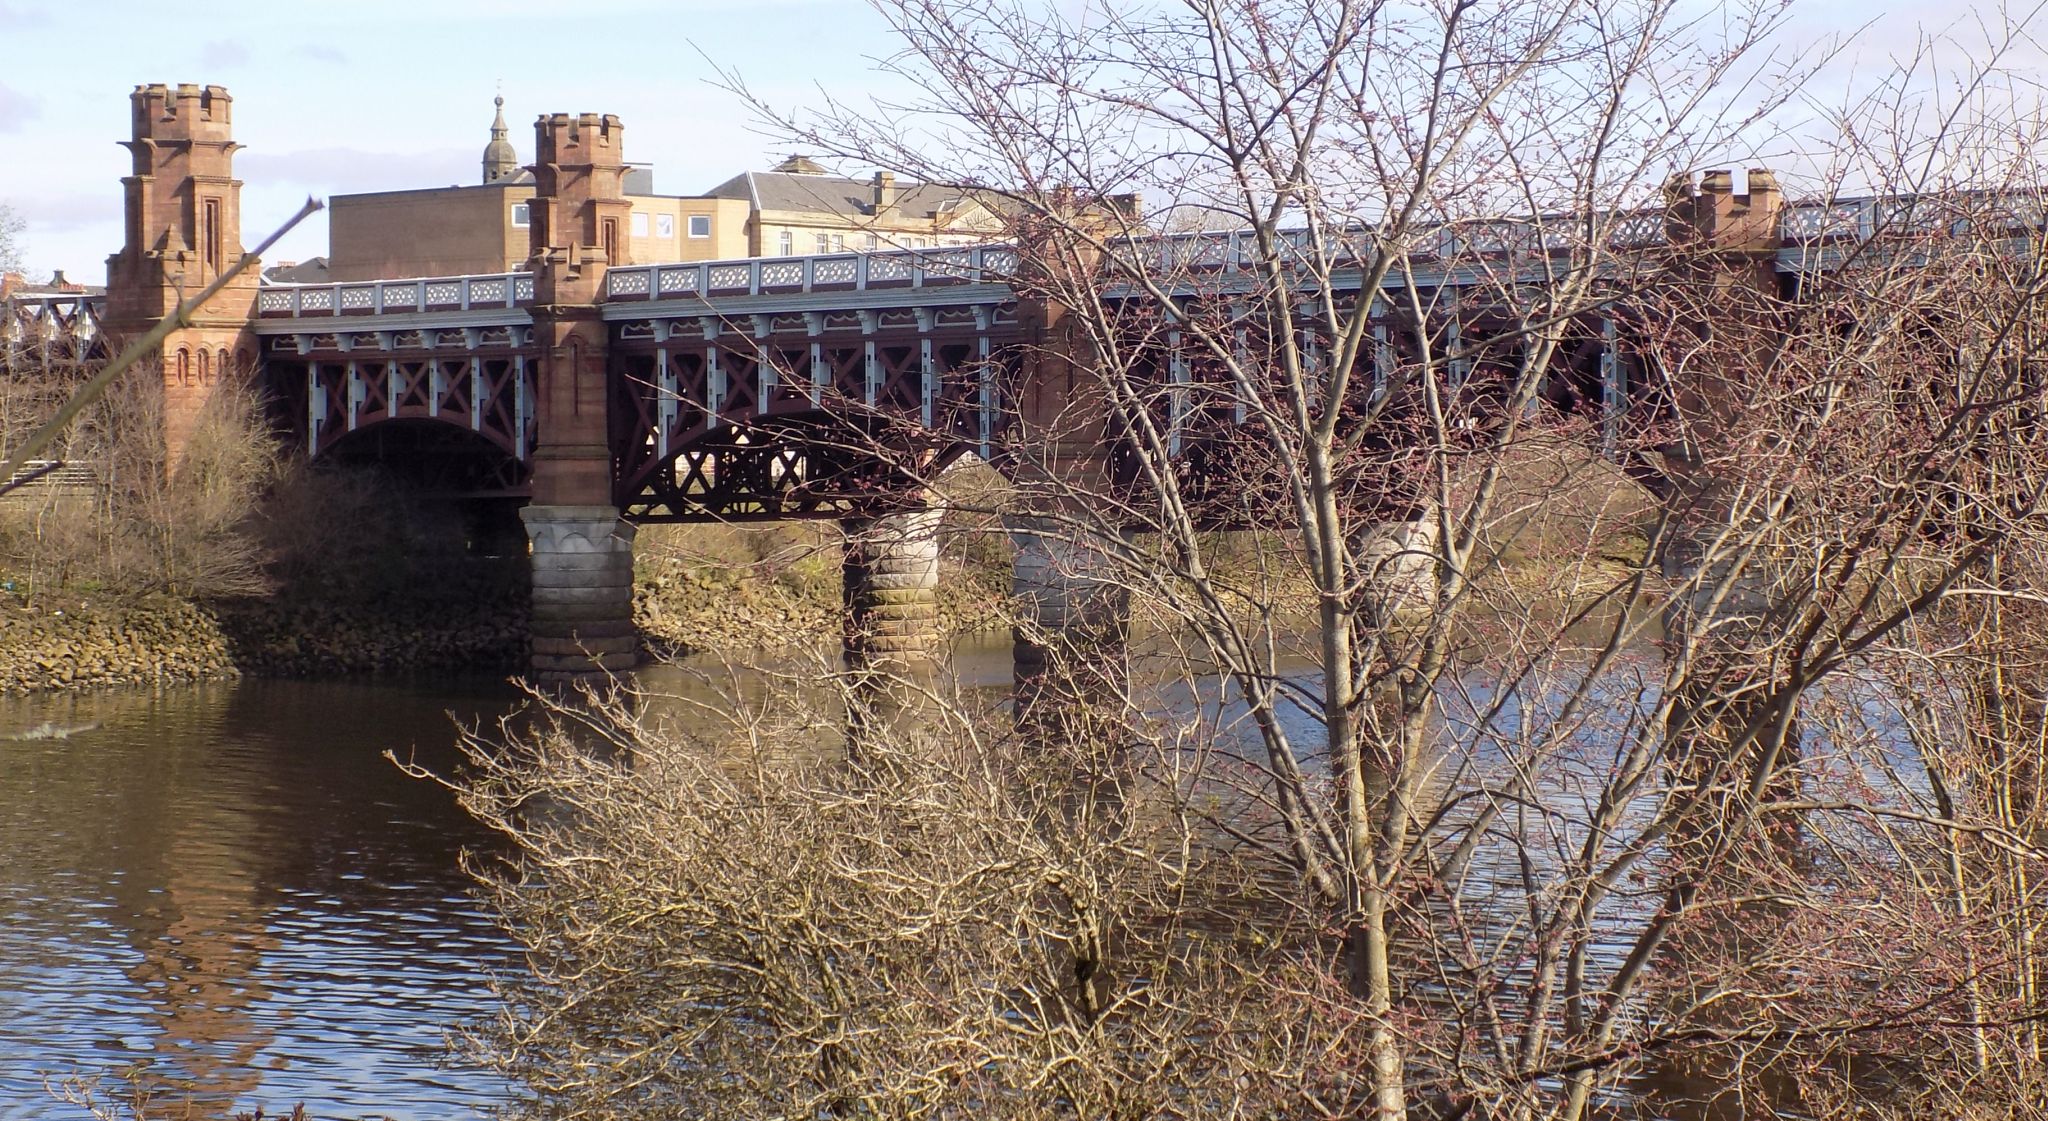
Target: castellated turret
x=580, y=210
x=183, y=231
x=183, y=205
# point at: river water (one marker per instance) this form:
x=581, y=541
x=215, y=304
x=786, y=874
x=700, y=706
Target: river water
x=228, y=888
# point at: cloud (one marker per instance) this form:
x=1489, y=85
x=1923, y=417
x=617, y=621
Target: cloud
x=346, y=170
x=17, y=109
x=321, y=52
x=21, y=15
x=69, y=212
x=223, y=53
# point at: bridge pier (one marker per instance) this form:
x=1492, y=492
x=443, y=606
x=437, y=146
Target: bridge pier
x=582, y=551
x=582, y=615
x=1070, y=644
x=891, y=584
x=1401, y=558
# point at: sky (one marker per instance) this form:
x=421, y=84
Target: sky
x=365, y=95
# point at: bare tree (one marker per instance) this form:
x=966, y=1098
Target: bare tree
x=1531, y=796
x=12, y=250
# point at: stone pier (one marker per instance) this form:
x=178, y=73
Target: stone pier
x=891, y=582
x=582, y=552
x=1400, y=559
x=1070, y=644
x=582, y=621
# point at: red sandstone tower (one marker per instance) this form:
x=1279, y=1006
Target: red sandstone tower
x=582, y=551
x=183, y=230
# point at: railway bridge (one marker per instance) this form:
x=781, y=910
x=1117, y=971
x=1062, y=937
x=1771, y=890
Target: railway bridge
x=606, y=394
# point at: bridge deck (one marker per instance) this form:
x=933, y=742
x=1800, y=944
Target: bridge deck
x=1812, y=235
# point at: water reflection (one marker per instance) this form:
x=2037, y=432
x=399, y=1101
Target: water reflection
x=229, y=889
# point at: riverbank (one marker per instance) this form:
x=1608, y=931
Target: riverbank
x=76, y=642
x=684, y=606
x=93, y=639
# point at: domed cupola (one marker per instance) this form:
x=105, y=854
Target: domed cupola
x=500, y=161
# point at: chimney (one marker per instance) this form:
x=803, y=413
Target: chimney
x=885, y=192
x=9, y=281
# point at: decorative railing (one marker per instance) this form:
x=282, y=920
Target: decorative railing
x=1864, y=218
x=1800, y=224
x=386, y=297
x=1234, y=250
x=836, y=272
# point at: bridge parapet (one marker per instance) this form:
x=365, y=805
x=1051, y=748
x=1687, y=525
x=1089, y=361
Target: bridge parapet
x=836, y=272
x=381, y=297
x=1801, y=226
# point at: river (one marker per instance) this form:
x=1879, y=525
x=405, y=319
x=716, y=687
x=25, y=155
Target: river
x=230, y=890
x=229, y=887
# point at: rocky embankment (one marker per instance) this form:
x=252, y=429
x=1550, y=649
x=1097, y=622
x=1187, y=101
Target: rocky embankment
x=82, y=643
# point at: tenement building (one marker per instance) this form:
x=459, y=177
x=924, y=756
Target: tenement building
x=798, y=208
x=483, y=228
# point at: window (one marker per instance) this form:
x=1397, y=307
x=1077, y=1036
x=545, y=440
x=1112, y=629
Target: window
x=522, y=214
x=874, y=242
x=210, y=227
x=664, y=225
x=838, y=243
x=824, y=243
x=785, y=244
x=639, y=224
x=700, y=225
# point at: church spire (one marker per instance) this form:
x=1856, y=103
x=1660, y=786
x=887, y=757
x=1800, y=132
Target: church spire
x=500, y=160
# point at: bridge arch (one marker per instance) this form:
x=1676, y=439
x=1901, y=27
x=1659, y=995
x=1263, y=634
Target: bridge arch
x=467, y=411
x=805, y=416
x=432, y=456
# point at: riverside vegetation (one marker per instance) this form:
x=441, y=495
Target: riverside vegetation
x=238, y=563
x=698, y=588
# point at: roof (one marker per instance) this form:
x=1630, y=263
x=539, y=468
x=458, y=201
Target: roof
x=310, y=271
x=522, y=178
x=847, y=198
x=15, y=285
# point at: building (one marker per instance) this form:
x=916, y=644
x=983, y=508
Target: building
x=484, y=227
x=14, y=285
x=798, y=209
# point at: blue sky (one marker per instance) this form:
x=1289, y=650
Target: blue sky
x=366, y=95
x=362, y=95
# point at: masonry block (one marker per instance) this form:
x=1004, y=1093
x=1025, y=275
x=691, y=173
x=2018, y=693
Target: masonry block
x=582, y=566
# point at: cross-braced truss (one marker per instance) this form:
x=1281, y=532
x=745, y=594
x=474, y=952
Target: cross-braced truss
x=340, y=390
x=805, y=415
